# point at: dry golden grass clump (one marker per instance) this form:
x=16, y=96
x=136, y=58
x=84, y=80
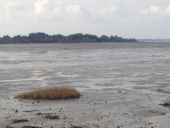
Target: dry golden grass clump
x=50, y=93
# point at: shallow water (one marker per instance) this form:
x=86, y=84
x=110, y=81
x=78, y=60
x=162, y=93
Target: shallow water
x=132, y=66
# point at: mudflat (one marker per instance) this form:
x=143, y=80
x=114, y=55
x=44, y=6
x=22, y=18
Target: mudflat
x=103, y=108
x=121, y=85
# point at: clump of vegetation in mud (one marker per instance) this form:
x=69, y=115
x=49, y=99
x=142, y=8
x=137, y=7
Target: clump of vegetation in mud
x=50, y=93
x=24, y=127
x=30, y=127
x=166, y=104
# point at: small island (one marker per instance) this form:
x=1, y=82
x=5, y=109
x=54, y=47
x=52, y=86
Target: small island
x=41, y=37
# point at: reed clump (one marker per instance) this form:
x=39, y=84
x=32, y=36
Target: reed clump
x=50, y=93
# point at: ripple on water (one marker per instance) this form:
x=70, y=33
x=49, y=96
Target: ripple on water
x=60, y=74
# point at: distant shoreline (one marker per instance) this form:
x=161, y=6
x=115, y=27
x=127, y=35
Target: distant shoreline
x=58, y=38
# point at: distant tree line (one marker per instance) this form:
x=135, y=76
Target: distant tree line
x=78, y=37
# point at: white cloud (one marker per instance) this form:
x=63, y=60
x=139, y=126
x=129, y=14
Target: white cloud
x=49, y=9
x=40, y=6
x=13, y=8
x=73, y=8
x=57, y=11
x=109, y=11
x=156, y=10
x=153, y=9
x=167, y=10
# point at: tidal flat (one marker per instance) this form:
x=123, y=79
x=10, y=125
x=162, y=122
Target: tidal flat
x=121, y=84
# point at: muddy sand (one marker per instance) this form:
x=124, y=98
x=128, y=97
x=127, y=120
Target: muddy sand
x=108, y=108
x=121, y=85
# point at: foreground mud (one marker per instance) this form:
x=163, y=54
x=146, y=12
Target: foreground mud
x=109, y=108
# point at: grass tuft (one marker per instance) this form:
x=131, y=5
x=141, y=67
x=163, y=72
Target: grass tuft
x=50, y=93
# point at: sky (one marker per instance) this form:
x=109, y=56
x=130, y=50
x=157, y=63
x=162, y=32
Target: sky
x=127, y=18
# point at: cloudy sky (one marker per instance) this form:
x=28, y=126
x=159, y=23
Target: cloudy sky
x=127, y=18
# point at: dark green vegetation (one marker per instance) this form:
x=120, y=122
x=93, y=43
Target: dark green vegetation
x=78, y=37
